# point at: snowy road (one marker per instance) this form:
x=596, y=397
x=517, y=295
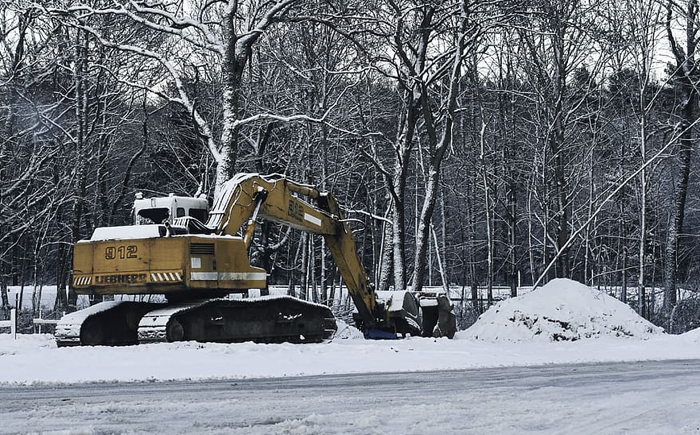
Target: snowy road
x=619, y=398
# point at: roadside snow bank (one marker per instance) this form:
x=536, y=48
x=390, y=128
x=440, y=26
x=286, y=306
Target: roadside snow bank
x=562, y=310
x=35, y=359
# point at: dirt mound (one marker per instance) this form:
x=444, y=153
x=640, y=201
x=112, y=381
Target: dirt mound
x=562, y=310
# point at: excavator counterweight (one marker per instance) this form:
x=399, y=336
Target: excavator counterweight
x=197, y=266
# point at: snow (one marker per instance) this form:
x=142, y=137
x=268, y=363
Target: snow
x=649, y=398
x=223, y=199
x=561, y=310
x=79, y=316
x=692, y=336
x=393, y=300
x=600, y=329
x=35, y=358
x=347, y=332
x=126, y=232
x=429, y=302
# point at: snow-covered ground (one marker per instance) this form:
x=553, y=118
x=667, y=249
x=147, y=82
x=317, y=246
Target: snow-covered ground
x=518, y=332
x=643, y=398
x=35, y=358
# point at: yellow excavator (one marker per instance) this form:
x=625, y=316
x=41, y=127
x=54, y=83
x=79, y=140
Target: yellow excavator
x=170, y=251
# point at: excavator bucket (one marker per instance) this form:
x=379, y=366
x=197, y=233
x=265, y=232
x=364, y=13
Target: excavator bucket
x=438, y=318
x=401, y=315
x=418, y=314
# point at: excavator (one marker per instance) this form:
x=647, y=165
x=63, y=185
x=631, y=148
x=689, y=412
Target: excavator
x=197, y=266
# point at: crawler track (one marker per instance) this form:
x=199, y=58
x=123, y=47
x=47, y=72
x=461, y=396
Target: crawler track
x=266, y=319
x=113, y=323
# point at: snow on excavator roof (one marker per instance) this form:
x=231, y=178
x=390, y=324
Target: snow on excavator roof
x=128, y=232
x=144, y=232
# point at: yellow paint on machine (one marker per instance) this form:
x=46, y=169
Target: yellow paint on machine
x=164, y=265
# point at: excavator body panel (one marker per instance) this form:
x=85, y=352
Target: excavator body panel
x=182, y=266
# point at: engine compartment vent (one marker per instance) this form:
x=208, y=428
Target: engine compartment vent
x=202, y=248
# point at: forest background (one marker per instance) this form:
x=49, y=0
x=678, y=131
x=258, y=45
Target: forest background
x=472, y=143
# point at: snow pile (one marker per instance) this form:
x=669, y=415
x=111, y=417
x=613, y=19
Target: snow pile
x=562, y=310
x=347, y=332
x=692, y=335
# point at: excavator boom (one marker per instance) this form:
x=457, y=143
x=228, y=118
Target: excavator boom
x=278, y=201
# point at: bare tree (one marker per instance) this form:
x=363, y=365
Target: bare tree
x=439, y=130
x=643, y=25
x=186, y=37
x=685, y=16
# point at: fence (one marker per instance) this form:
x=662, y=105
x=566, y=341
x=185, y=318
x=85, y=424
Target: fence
x=12, y=323
x=41, y=321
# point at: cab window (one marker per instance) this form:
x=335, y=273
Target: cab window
x=153, y=215
x=199, y=214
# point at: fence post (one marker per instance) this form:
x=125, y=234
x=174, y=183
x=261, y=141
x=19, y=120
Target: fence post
x=13, y=323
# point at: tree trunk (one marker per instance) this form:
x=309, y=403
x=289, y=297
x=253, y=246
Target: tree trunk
x=386, y=264
x=530, y=236
x=686, y=76
x=513, y=237
x=676, y=227
x=424, y=226
x=443, y=239
x=61, y=303
x=81, y=108
x=233, y=66
x=303, y=291
x=623, y=295
x=331, y=293
x=641, y=291
x=399, y=243
x=312, y=270
x=4, y=298
x=397, y=184
x=489, y=222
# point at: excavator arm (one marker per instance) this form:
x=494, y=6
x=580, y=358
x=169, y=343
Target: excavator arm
x=247, y=197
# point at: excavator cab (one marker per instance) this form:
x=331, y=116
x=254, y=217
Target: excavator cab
x=158, y=210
